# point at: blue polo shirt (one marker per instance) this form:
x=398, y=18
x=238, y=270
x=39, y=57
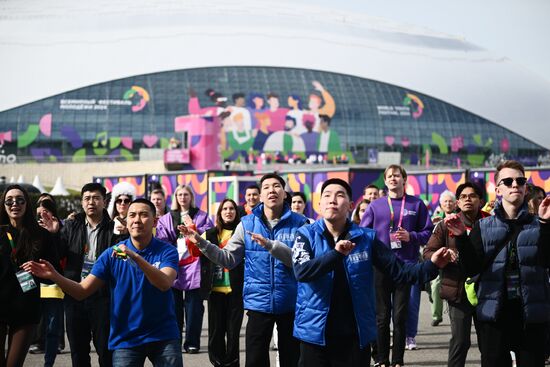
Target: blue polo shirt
x=140, y=312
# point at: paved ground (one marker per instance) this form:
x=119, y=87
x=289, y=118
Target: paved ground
x=432, y=343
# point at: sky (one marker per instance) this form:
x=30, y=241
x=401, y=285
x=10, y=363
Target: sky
x=519, y=30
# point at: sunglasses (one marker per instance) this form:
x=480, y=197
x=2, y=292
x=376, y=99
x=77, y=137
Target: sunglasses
x=18, y=201
x=508, y=181
x=123, y=201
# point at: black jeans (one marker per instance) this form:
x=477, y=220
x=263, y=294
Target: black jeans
x=392, y=301
x=88, y=319
x=338, y=352
x=225, y=317
x=509, y=333
x=461, y=315
x=259, y=330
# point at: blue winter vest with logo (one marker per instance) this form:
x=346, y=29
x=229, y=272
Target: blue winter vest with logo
x=313, y=303
x=269, y=285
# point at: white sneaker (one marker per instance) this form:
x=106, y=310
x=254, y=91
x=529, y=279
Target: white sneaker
x=411, y=343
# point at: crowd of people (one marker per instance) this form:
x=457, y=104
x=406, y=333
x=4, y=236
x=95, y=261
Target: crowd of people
x=131, y=275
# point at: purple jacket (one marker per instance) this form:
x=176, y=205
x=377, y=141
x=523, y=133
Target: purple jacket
x=189, y=276
x=416, y=221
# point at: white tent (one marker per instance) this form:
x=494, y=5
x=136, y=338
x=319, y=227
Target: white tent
x=59, y=189
x=36, y=183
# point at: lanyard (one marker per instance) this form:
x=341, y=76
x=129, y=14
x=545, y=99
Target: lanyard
x=12, y=244
x=392, y=215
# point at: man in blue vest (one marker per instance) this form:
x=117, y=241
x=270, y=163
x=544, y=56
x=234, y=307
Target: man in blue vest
x=333, y=261
x=511, y=252
x=264, y=240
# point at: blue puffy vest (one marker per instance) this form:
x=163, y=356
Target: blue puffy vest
x=314, y=297
x=269, y=285
x=535, y=289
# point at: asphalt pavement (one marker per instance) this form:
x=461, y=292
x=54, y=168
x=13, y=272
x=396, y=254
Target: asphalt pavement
x=432, y=346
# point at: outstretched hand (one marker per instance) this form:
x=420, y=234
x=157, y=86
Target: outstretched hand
x=443, y=256
x=42, y=269
x=260, y=240
x=544, y=209
x=49, y=222
x=455, y=224
x=189, y=233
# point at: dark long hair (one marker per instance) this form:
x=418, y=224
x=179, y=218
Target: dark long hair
x=29, y=238
x=220, y=224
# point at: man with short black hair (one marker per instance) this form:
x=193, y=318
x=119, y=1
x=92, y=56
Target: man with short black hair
x=252, y=199
x=371, y=192
x=333, y=261
x=263, y=240
x=452, y=276
x=140, y=272
x=83, y=239
x=510, y=250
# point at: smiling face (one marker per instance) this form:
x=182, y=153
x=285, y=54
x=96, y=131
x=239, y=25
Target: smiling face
x=122, y=203
x=15, y=205
x=448, y=204
x=140, y=221
x=335, y=203
x=394, y=180
x=513, y=194
x=297, y=204
x=252, y=197
x=228, y=212
x=371, y=194
x=273, y=193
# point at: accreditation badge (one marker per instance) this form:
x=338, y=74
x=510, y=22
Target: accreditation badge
x=394, y=241
x=25, y=280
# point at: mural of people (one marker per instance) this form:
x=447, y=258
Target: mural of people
x=295, y=103
x=316, y=106
x=310, y=137
x=255, y=104
x=276, y=113
x=284, y=141
x=329, y=140
x=263, y=131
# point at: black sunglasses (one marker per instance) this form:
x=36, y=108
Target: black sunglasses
x=18, y=201
x=508, y=181
x=125, y=201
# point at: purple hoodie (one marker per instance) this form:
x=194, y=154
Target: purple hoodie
x=189, y=276
x=416, y=221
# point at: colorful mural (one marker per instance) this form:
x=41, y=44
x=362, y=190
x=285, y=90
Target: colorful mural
x=254, y=114
x=210, y=192
x=439, y=182
x=139, y=182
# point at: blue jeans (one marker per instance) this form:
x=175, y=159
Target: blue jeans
x=166, y=353
x=414, y=308
x=52, y=313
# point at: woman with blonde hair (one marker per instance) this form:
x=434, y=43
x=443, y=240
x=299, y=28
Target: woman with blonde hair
x=184, y=212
